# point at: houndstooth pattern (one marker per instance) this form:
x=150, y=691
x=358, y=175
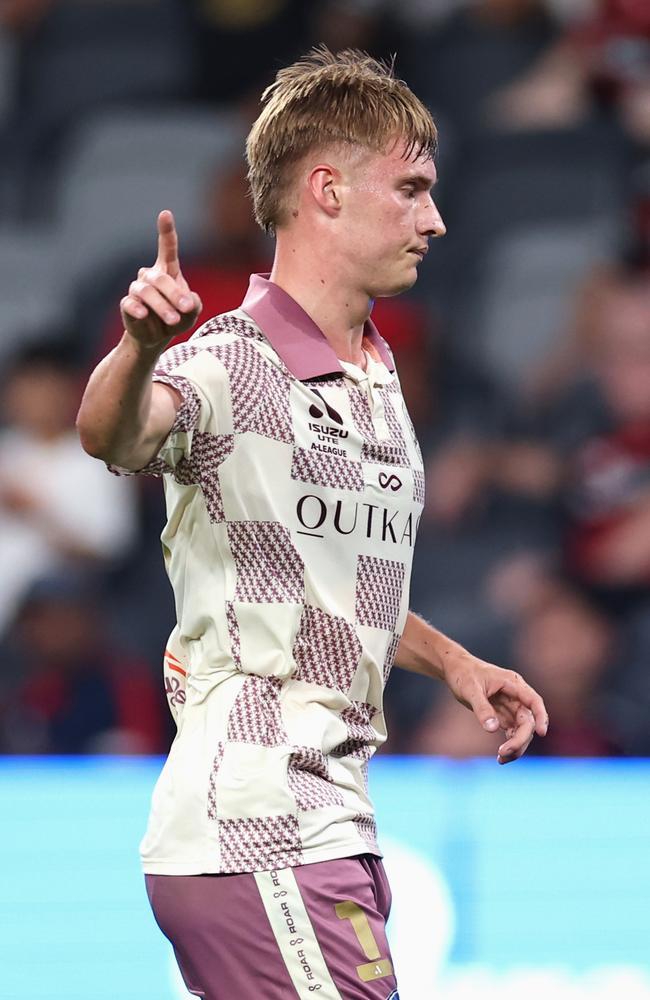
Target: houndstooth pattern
x=353, y=748
x=310, y=759
x=212, y=783
x=176, y=356
x=361, y=416
x=310, y=781
x=269, y=568
x=394, y=426
x=393, y=452
x=326, y=470
x=385, y=453
x=202, y=468
x=259, y=391
x=360, y=740
x=233, y=633
x=263, y=844
x=185, y=421
x=389, y=659
x=207, y=454
x=380, y=583
x=256, y=716
x=418, y=485
x=227, y=323
x=326, y=650
x=367, y=829
x=312, y=787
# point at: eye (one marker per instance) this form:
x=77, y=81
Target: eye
x=409, y=190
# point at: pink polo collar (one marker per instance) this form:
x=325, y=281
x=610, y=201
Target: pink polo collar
x=292, y=333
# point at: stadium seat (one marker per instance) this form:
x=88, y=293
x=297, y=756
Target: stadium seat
x=91, y=53
x=153, y=140
x=34, y=297
x=83, y=55
x=124, y=167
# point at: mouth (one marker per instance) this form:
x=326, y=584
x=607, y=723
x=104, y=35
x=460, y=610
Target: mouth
x=419, y=251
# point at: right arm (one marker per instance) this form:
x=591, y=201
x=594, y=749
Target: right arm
x=124, y=416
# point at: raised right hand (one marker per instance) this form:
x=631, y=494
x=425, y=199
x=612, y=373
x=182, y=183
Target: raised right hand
x=159, y=304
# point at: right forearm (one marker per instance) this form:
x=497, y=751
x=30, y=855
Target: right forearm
x=123, y=419
x=115, y=408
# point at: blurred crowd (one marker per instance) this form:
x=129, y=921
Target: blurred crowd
x=524, y=350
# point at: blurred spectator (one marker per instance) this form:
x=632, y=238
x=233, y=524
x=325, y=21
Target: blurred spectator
x=72, y=692
x=607, y=53
x=480, y=47
x=565, y=647
x=607, y=493
x=57, y=506
x=567, y=650
x=591, y=453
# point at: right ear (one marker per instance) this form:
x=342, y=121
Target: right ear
x=324, y=183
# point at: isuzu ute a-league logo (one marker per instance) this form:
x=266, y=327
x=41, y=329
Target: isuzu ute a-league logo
x=328, y=434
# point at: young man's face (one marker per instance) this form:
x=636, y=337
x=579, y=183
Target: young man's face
x=387, y=219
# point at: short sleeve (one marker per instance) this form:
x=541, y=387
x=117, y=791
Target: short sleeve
x=174, y=454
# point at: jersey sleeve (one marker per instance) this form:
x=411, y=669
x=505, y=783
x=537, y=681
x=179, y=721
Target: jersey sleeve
x=179, y=367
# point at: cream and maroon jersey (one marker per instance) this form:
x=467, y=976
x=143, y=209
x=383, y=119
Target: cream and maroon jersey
x=294, y=486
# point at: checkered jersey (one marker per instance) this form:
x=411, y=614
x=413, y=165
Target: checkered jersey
x=292, y=513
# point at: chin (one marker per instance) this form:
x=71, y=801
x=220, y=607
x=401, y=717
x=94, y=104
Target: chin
x=395, y=286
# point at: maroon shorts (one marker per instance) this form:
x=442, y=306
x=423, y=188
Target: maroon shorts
x=312, y=931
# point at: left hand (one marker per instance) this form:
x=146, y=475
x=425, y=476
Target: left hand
x=500, y=699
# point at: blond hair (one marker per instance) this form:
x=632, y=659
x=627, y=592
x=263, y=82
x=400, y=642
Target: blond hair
x=327, y=99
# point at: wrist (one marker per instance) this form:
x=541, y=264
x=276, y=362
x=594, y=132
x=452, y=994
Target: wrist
x=453, y=659
x=147, y=353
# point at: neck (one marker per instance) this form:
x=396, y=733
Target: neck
x=318, y=283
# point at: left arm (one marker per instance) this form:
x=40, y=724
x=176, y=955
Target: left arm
x=499, y=698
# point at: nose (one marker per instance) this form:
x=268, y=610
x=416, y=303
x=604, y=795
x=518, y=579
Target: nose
x=432, y=224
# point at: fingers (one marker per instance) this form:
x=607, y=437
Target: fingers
x=168, y=244
x=518, y=739
x=149, y=296
x=132, y=307
x=518, y=689
x=160, y=294
x=485, y=712
x=177, y=294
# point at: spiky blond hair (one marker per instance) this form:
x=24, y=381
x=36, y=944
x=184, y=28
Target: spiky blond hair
x=327, y=99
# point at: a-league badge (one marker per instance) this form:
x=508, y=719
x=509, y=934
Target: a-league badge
x=394, y=996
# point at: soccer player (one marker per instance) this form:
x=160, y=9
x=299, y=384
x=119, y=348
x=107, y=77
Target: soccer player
x=294, y=486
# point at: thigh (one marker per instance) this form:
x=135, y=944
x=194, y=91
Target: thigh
x=311, y=931
x=221, y=936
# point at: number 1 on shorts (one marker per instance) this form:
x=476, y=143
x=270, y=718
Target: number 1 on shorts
x=376, y=968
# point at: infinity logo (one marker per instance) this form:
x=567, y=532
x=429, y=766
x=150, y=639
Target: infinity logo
x=392, y=482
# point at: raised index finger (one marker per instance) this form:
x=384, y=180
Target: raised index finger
x=168, y=244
